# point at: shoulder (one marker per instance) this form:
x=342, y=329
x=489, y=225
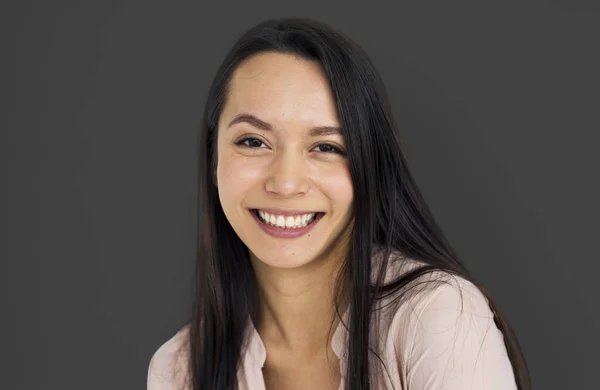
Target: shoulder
x=433, y=301
x=445, y=335
x=448, y=302
x=168, y=366
x=429, y=291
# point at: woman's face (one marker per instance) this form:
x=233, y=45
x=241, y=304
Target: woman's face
x=273, y=158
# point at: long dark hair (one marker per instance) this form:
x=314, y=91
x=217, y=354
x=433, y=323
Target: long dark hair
x=389, y=212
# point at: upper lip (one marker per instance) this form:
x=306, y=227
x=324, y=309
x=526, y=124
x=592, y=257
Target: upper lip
x=279, y=211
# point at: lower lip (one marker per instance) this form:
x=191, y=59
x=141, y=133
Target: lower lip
x=279, y=232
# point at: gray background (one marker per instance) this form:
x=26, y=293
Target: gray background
x=499, y=113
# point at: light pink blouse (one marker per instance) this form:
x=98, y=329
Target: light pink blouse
x=440, y=337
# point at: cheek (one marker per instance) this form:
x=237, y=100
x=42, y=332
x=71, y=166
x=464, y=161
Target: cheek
x=235, y=175
x=338, y=186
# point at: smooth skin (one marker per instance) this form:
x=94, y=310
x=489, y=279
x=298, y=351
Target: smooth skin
x=274, y=160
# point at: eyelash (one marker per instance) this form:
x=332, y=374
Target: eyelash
x=335, y=148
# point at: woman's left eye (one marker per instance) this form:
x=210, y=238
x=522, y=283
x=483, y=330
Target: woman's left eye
x=328, y=148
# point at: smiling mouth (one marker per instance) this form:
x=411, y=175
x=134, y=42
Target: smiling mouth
x=287, y=222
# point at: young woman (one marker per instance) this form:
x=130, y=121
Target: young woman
x=319, y=264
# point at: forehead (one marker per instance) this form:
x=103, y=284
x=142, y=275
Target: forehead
x=279, y=86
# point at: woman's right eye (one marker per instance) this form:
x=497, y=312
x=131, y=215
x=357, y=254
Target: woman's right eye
x=250, y=142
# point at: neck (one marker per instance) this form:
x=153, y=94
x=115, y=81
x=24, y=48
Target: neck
x=297, y=306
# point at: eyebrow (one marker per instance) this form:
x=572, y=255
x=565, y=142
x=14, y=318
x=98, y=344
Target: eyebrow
x=260, y=124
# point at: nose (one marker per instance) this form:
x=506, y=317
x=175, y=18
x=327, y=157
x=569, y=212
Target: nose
x=288, y=176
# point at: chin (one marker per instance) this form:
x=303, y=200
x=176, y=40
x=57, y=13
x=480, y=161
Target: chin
x=285, y=256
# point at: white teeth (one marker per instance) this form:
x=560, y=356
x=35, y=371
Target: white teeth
x=288, y=222
x=280, y=221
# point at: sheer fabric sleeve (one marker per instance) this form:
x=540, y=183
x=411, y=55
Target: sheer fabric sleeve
x=454, y=343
